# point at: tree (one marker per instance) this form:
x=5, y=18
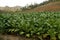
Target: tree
x=54, y=0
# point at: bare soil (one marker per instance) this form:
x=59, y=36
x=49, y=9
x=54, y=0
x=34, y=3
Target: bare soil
x=14, y=37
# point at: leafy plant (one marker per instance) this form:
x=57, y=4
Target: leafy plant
x=29, y=24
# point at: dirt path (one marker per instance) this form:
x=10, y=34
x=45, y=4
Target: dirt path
x=12, y=37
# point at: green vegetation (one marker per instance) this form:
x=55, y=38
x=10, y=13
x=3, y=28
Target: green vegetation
x=54, y=0
x=29, y=24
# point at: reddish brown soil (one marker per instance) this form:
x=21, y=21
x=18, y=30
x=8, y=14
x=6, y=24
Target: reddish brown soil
x=52, y=6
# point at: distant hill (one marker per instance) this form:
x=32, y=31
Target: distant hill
x=50, y=6
x=13, y=9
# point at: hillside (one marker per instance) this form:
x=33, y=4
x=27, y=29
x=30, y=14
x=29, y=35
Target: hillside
x=45, y=6
x=51, y=6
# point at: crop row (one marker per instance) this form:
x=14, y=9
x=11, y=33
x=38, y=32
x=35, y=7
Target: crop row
x=30, y=24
